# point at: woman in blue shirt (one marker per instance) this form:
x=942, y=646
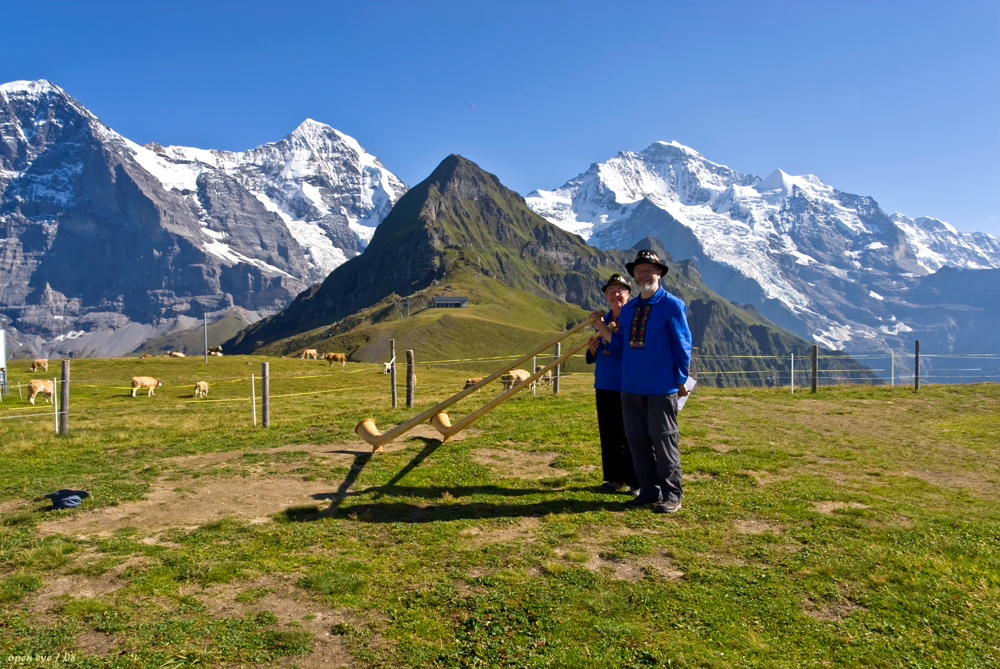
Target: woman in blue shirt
x=616, y=458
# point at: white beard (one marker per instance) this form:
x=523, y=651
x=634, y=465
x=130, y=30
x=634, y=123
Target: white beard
x=648, y=287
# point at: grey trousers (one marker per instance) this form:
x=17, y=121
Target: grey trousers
x=651, y=428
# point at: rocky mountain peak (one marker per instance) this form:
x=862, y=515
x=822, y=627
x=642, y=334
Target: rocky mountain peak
x=190, y=231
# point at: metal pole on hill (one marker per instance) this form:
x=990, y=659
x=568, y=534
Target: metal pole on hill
x=55, y=405
x=392, y=371
x=206, y=338
x=815, y=365
x=265, y=402
x=793, y=373
x=916, y=367
x=411, y=378
x=64, y=399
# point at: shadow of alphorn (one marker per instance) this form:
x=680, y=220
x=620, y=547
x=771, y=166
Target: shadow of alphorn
x=366, y=429
x=442, y=423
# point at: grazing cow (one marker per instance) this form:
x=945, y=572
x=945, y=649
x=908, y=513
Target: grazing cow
x=40, y=363
x=309, y=353
x=335, y=357
x=514, y=376
x=145, y=382
x=176, y=354
x=546, y=378
x=36, y=386
x=215, y=350
x=386, y=367
x=201, y=389
x=473, y=381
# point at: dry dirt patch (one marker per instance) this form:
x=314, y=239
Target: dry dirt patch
x=637, y=568
x=522, y=531
x=829, y=611
x=518, y=464
x=757, y=526
x=292, y=607
x=195, y=503
x=830, y=507
x=190, y=502
x=952, y=481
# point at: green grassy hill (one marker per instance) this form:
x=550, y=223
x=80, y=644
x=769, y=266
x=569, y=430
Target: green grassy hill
x=191, y=341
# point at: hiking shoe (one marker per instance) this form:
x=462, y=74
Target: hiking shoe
x=612, y=486
x=639, y=500
x=667, y=507
x=634, y=492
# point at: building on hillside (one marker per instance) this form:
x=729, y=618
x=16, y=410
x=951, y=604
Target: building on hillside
x=448, y=302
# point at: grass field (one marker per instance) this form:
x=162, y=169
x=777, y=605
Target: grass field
x=855, y=527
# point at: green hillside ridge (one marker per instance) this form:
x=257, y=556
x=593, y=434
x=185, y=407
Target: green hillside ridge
x=460, y=232
x=191, y=341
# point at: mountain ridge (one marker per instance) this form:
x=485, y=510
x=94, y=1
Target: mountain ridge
x=825, y=264
x=100, y=237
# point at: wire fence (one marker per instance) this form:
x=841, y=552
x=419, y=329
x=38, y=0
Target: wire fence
x=247, y=395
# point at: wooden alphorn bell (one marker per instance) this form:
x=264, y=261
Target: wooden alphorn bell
x=367, y=430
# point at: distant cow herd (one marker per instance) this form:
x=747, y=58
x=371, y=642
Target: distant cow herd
x=45, y=386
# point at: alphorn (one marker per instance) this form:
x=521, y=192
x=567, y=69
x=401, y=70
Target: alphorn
x=442, y=423
x=366, y=429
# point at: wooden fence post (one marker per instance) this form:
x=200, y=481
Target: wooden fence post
x=392, y=372
x=815, y=365
x=265, y=389
x=916, y=367
x=693, y=365
x=64, y=399
x=555, y=377
x=411, y=378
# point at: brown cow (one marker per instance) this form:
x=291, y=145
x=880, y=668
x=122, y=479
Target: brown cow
x=215, y=350
x=40, y=362
x=546, y=378
x=40, y=386
x=473, y=381
x=145, y=382
x=201, y=389
x=309, y=353
x=335, y=357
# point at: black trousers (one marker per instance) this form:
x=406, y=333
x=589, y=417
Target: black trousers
x=616, y=456
x=651, y=426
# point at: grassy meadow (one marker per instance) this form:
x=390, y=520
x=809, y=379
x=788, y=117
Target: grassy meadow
x=854, y=527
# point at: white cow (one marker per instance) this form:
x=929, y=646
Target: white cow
x=147, y=382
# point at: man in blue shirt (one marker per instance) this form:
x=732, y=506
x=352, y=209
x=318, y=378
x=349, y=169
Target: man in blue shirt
x=655, y=343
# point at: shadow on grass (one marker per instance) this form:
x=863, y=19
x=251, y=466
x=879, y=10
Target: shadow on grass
x=452, y=508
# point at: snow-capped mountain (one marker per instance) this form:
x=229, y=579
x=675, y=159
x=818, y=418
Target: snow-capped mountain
x=828, y=265
x=104, y=243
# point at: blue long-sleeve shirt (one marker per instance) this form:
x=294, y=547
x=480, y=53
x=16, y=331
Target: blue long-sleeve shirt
x=608, y=370
x=656, y=351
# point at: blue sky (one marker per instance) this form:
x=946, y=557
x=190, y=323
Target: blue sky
x=896, y=100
